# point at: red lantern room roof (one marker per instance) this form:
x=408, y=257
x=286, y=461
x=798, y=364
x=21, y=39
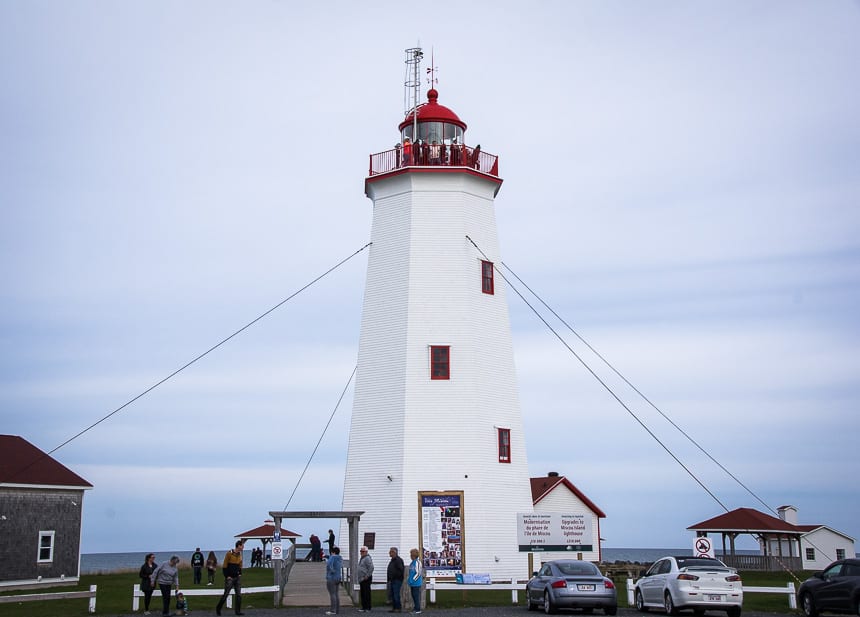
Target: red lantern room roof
x=431, y=111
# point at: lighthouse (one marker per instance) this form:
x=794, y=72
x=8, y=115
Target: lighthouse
x=437, y=457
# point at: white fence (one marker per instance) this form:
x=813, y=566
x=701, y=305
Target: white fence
x=514, y=586
x=63, y=595
x=788, y=589
x=137, y=594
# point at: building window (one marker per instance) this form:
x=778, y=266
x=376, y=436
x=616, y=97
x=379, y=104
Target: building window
x=440, y=362
x=504, y=445
x=810, y=554
x=840, y=553
x=46, y=547
x=487, y=285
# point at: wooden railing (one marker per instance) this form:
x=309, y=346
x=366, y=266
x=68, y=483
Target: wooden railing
x=762, y=563
x=137, y=594
x=439, y=155
x=63, y=595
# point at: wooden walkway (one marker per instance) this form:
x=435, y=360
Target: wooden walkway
x=306, y=586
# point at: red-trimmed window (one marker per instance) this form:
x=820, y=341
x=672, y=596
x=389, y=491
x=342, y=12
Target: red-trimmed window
x=504, y=445
x=487, y=285
x=440, y=362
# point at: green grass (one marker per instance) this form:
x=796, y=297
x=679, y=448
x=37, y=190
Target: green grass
x=114, y=595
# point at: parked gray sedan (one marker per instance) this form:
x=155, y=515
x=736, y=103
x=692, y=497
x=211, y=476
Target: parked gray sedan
x=568, y=583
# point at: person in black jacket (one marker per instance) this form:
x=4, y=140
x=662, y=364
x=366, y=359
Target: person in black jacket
x=330, y=541
x=395, y=578
x=146, y=585
x=197, y=561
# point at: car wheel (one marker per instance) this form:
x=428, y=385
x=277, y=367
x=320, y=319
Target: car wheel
x=734, y=611
x=587, y=611
x=610, y=610
x=807, y=604
x=548, y=606
x=698, y=612
x=640, y=603
x=669, y=604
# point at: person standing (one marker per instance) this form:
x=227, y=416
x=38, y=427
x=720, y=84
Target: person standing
x=365, y=578
x=407, y=152
x=197, y=565
x=232, y=569
x=211, y=566
x=333, y=569
x=145, y=575
x=166, y=576
x=395, y=578
x=416, y=578
x=330, y=541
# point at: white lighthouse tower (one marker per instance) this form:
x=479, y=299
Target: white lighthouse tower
x=437, y=457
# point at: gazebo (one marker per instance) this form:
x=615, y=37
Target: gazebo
x=769, y=530
x=265, y=533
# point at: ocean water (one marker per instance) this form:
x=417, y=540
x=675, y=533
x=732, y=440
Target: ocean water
x=101, y=563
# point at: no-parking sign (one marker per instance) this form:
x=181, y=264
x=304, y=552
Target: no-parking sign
x=703, y=547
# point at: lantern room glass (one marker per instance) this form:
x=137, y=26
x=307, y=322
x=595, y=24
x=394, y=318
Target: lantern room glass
x=428, y=132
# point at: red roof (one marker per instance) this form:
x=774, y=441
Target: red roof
x=543, y=486
x=267, y=530
x=746, y=520
x=431, y=111
x=23, y=463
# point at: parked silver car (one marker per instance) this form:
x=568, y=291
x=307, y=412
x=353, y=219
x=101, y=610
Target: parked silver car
x=698, y=583
x=569, y=583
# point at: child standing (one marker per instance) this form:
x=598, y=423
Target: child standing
x=181, y=604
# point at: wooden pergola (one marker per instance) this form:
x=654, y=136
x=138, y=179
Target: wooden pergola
x=352, y=519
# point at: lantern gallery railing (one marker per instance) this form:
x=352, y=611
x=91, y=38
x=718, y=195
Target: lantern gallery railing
x=434, y=155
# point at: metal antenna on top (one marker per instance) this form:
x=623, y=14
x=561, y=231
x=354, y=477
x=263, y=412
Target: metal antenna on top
x=431, y=71
x=412, y=86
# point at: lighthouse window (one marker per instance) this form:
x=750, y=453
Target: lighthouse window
x=440, y=367
x=504, y=445
x=487, y=277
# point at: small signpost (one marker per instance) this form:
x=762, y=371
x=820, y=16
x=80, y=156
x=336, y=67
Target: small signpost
x=703, y=547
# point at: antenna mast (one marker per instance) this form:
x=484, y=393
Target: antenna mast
x=412, y=86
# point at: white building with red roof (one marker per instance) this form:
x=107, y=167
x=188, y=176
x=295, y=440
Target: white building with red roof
x=41, y=508
x=555, y=493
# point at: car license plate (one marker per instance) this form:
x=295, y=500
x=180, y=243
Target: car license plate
x=715, y=598
x=585, y=587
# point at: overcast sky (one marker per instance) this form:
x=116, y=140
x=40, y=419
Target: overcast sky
x=681, y=185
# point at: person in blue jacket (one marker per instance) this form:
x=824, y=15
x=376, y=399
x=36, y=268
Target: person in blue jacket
x=333, y=569
x=416, y=578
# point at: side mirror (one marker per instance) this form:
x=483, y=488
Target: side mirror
x=534, y=573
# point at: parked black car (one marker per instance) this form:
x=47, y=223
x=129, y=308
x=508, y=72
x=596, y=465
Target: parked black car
x=836, y=589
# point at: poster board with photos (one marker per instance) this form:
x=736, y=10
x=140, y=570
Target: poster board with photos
x=442, y=533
